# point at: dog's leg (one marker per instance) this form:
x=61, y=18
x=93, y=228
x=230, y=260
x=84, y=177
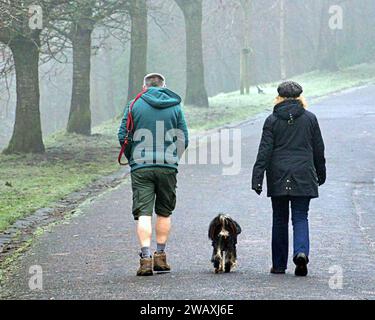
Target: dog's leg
x=213, y=255
x=230, y=259
x=234, y=257
x=222, y=264
x=218, y=259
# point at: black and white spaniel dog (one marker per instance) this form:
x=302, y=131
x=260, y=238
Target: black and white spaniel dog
x=223, y=232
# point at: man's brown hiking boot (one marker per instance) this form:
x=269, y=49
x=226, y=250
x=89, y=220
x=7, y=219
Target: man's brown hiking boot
x=145, y=268
x=160, y=262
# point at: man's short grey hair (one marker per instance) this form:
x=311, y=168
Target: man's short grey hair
x=154, y=80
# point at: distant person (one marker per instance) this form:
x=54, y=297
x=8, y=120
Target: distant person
x=159, y=138
x=291, y=152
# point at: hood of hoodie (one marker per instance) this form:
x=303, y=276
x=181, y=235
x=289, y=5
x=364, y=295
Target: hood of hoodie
x=161, y=98
x=289, y=109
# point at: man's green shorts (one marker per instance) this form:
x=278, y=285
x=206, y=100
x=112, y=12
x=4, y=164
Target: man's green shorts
x=154, y=186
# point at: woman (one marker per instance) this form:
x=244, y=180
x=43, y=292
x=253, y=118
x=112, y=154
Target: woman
x=292, y=154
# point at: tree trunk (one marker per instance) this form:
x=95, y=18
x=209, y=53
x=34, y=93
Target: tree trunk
x=246, y=51
x=110, y=86
x=244, y=72
x=196, y=93
x=80, y=114
x=282, y=41
x=27, y=132
x=138, y=43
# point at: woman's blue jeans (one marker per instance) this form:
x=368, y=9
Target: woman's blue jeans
x=280, y=243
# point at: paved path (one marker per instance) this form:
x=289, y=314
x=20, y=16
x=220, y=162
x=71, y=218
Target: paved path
x=95, y=254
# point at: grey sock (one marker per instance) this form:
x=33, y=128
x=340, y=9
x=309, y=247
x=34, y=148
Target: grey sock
x=146, y=252
x=160, y=247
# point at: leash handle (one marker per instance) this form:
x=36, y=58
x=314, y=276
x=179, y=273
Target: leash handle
x=122, y=151
x=129, y=127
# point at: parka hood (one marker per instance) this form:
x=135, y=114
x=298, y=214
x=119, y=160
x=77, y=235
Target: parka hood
x=289, y=109
x=161, y=98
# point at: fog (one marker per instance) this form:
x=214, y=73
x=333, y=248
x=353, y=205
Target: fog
x=295, y=40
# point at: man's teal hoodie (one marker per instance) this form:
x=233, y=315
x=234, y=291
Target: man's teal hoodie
x=160, y=131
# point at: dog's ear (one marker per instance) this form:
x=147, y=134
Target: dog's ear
x=238, y=227
x=233, y=226
x=212, y=228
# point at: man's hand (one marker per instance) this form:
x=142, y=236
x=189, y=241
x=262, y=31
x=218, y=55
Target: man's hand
x=258, y=189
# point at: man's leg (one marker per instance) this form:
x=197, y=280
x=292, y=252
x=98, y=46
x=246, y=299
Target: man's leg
x=144, y=233
x=164, y=206
x=280, y=243
x=143, y=203
x=163, y=228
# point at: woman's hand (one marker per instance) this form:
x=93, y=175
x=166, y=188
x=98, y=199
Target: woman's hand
x=258, y=189
x=321, y=181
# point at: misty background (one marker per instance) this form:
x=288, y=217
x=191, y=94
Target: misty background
x=224, y=29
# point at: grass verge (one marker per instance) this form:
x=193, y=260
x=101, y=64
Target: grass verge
x=231, y=107
x=71, y=162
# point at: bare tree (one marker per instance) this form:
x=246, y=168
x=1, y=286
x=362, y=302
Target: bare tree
x=81, y=31
x=83, y=17
x=196, y=94
x=23, y=38
x=282, y=40
x=138, y=54
x=327, y=47
x=245, y=52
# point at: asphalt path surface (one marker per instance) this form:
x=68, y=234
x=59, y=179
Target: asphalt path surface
x=95, y=254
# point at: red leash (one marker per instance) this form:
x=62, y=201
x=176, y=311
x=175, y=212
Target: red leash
x=129, y=127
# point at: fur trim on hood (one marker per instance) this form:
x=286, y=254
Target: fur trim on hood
x=301, y=99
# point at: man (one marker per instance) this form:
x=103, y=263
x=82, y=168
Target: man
x=160, y=136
